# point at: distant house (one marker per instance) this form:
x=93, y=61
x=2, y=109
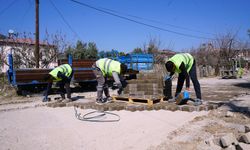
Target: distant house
x=24, y=48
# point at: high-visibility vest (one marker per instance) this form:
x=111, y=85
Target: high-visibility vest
x=107, y=66
x=186, y=58
x=64, y=69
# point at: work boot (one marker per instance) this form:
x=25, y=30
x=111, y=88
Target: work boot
x=109, y=99
x=63, y=96
x=197, y=102
x=100, y=101
x=172, y=100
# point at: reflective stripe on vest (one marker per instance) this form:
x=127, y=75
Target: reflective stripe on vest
x=186, y=58
x=64, y=69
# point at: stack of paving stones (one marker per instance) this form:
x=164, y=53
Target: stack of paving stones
x=148, y=85
x=231, y=142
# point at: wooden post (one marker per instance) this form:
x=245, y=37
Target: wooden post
x=37, y=35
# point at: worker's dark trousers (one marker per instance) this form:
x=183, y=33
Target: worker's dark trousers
x=62, y=84
x=102, y=85
x=193, y=76
x=61, y=89
x=65, y=84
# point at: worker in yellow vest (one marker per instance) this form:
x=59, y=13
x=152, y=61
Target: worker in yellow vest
x=184, y=64
x=104, y=68
x=62, y=75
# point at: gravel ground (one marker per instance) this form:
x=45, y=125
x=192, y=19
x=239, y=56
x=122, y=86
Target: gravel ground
x=27, y=123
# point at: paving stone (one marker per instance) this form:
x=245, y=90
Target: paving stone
x=245, y=138
x=231, y=147
x=184, y=108
x=229, y=114
x=157, y=107
x=247, y=128
x=217, y=142
x=243, y=146
x=228, y=139
x=212, y=146
x=130, y=108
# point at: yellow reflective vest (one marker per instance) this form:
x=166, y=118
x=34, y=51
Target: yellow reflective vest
x=107, y=66
x=64, y=69
x=186, y=58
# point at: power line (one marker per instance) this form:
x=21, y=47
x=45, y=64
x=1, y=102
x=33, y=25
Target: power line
x=6, y=8
x=156, y=21
x=138, y=22
x=25, y=13
x=64, y=20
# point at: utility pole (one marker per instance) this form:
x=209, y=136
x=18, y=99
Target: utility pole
x=37, y=35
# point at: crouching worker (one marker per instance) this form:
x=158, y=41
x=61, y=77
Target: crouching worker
x=184, y=64
x=104, y=68
x=62, y=75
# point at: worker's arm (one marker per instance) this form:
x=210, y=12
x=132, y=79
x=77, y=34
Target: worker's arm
x=117, y=79
x=117, y=82
x=185, y=73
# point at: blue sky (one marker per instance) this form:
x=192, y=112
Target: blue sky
x=194, y=18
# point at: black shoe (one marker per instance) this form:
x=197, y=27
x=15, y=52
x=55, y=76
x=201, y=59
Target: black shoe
x=99, y=102
x=108, y=100
x=197, y=102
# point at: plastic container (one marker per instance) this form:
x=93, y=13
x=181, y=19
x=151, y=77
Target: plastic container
x=185, y=95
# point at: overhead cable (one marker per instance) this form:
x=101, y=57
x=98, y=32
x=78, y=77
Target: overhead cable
x=6, y=8
x=156, y=21
x=64, y=20
x=138, y=22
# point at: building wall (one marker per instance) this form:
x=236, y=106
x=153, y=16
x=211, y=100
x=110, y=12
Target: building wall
x=5, y=50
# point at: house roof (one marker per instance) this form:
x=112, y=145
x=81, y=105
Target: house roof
x=22, y=41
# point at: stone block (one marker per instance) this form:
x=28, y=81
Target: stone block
x=130, y=108
x=247, y=128
x=231, y=147
x=245, y=138
x=229, y=114
x=228, y=140
x=212, y=145
x=243, y=146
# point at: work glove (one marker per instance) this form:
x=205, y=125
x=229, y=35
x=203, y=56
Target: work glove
x=167, y=78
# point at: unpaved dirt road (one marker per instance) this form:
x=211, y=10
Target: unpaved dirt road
x=27, y=123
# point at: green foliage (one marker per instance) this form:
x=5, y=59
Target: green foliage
x=137, y=51
x=122, y=54
x=83, y=50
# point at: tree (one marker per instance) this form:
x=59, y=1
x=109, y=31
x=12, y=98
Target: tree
x=22, y=47
x=92, y=51
x=137, y=51
x=221, y=52
x=83, y=50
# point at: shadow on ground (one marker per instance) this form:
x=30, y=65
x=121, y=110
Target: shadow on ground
x=243, y=85
x=237, y=108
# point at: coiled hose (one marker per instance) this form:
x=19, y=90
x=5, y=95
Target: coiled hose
x=98, y=117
